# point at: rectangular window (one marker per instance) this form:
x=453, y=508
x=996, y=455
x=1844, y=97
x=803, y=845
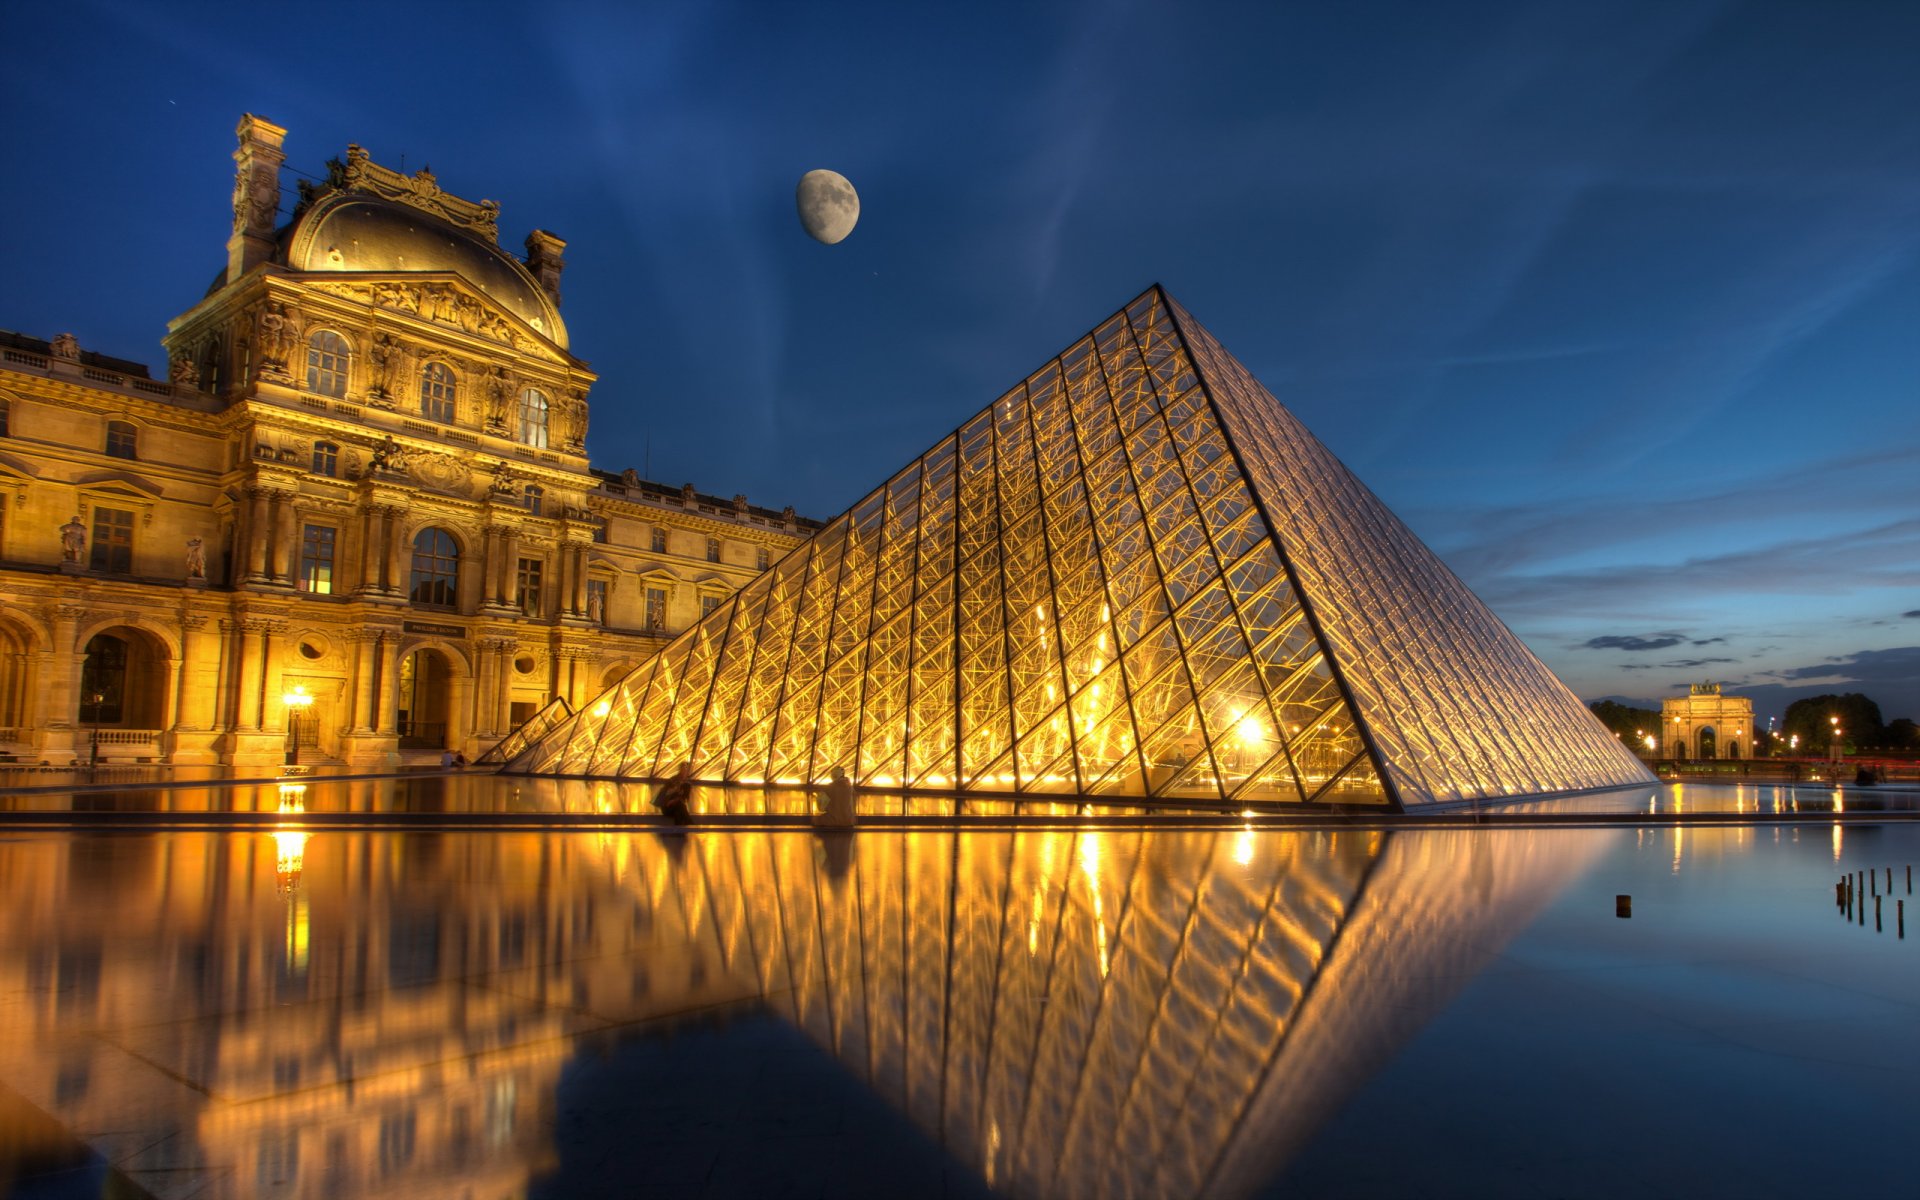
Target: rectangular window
x=123, y=441
x=707, y=605
x=761, y=559
x=316, y=560
x=659, y=540
x=529, y=579
x=713, y=549
x=656, y=608
x=326, y=458
x=597, y=601
x=112, y=550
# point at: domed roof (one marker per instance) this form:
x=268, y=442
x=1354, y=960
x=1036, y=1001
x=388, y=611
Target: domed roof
x=358, y=232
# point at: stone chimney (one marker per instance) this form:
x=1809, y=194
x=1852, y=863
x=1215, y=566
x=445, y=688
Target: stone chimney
x=544, y=259
x=256, y=194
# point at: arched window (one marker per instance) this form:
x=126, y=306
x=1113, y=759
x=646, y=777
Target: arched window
x=103, y=680
x=535, y=495
x=326, y=458
x=436, y=393
x=436, y=569
x=123, y=440
x=327, y=356
x=533, y=419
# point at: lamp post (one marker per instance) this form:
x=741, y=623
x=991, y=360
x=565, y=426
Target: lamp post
x=93, y=749
x=1835, y=723
x=297, y=702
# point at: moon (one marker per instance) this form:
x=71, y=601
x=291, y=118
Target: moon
x=828, y=205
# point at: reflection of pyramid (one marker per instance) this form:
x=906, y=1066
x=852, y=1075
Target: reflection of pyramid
x=1134, y=575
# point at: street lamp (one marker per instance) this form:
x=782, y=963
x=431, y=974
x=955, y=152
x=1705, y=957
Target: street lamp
x=93, y=751
x=297, y=702
x=1835, y=722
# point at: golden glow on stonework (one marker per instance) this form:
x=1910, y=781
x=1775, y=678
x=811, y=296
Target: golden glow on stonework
x=1094, y=587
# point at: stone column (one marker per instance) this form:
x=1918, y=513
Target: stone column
x=579, y=588
x=503, y=689
x=256, y=533
x=362, y=717
x=486, y=662
x=199, y=656
x=368, y=554
x=60, y=676
x=286, y=537
x=256, y=650
x=510, y=568
x=387, y=704
x=395, y=579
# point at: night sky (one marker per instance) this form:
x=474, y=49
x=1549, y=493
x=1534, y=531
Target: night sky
x=1614, y=304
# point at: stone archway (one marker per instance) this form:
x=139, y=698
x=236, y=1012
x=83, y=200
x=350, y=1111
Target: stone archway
x=19, y=685
x=424, y=698
x=1709, y=743
x=126, y=685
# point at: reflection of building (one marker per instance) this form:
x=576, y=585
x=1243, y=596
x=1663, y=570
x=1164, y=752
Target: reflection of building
x=1135, y=575
x=1117, y=1012
x=1705, y=724
x=364, y=474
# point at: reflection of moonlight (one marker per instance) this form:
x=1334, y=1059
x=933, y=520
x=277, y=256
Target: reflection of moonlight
x=828, y=205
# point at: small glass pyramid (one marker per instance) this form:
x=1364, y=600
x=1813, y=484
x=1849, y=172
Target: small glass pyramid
x=1133, y=576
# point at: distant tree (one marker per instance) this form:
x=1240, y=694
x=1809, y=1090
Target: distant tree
x=1903, y=734
x=1812, y=720
x=1629, y=722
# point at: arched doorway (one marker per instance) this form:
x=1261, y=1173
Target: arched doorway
x=1709, y=743
x=124, y=688
x=425, y=700
x=1733, y=749
x=17, y=688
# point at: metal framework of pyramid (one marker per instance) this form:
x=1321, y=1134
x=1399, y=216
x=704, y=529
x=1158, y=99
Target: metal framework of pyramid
x=1133, y=576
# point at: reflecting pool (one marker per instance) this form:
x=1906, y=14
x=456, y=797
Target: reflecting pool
x=1029, y=1012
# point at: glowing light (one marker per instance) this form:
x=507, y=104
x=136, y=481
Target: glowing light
x=603, y=708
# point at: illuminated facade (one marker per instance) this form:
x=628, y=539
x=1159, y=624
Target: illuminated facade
x=1134, y=575
x=1705, y=724
x=363, y=481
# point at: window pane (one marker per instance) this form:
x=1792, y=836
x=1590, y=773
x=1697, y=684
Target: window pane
x=316, y=560
x=533, y=419
x=112, y=550
x=326, y=458
x=437, y=393
x=529, y=580
x=436, y=569
x=122, y=440
x=327, y=363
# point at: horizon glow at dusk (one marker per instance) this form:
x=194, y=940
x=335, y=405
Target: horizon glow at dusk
x=1613, y=305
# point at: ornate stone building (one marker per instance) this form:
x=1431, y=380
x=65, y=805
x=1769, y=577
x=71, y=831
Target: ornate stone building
x=1705, y=724
x=356, y=518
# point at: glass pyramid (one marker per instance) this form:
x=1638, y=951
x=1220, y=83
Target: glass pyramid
x=1135, y=575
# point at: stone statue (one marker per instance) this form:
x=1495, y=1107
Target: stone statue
x=73, y=539
x=276, y=327
x=740, y=501
x=390, y=455
x=686, y=493
x=502, y=480
x=630, y=478
x=196, y=559
x=498, y=385
x=183, y=371
x=596, y=605
x=386, y=355
x=65, y=345
x=787, y=514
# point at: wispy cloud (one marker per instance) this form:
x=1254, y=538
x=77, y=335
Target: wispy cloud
x=1616, y=641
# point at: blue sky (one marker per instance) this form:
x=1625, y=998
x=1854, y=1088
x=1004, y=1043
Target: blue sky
x=1614, y=303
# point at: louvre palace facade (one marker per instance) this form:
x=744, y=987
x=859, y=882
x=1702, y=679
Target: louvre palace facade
x=355, y=520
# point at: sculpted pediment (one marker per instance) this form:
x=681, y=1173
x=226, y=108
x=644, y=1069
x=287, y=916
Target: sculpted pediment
x=447, y=300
